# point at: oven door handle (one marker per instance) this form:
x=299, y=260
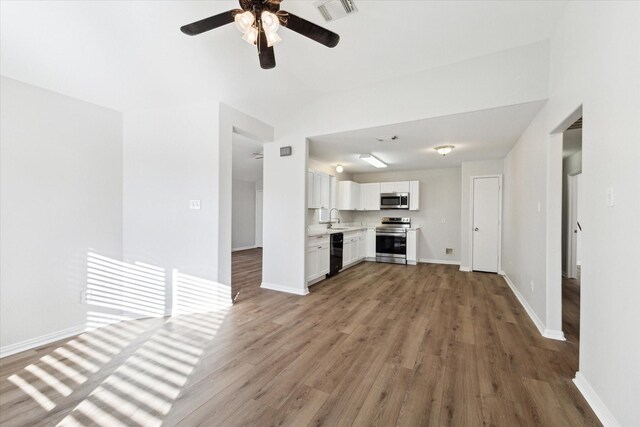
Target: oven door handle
x=392, y=234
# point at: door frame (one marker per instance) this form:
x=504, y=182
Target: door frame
x=572, y=219
x=471, y=204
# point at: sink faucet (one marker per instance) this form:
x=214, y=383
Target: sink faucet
x=333, y=209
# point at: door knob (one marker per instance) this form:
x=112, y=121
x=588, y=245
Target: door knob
x=475, y=229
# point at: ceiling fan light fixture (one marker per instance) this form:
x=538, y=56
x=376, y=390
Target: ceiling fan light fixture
x=272, y=38
x=270, y=21
x=244, y=21
x=251, y=36
x=339, y=168
x=373, y=161
x=443, y=150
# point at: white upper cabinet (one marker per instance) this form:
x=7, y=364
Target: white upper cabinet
x=311, y=182
x=318, y=190
x=403, y=187
x=370, y=197
x=325, y=190
x=395, y=187
x=387, y=187
x=414, y=195
x=348, y=196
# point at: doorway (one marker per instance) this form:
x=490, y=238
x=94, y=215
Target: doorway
x=572, y=187
x=246, y=217
x=486, y=209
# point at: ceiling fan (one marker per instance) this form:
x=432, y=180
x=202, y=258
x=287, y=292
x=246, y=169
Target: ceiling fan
x=259, y=21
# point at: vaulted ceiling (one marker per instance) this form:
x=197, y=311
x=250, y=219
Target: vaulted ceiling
x=130, y=54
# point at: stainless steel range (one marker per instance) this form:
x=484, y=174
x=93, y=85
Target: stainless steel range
x=391, y=240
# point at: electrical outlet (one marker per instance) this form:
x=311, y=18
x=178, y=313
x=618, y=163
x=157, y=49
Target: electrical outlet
x=444, y=220
x=194, y=204
x=448, y=251
x=532, y=286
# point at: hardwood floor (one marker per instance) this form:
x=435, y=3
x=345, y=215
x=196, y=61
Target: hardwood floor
x=378, y=344
x=246, y=270
x=571, y=315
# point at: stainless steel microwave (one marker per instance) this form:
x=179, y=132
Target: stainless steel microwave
x=394, y=201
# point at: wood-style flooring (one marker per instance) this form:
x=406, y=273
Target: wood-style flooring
x=378, y=344
x=246, y=268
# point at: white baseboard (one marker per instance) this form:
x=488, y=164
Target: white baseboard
x=467, y=269
x=287, y=289
x=243, y=248
x=438, y=261
x=602, y=412
x=544, y=331
x=32, y=343
x=554, y=334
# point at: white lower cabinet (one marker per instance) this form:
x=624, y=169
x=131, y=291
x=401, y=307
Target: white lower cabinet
x=412, y=247
x=353, y=248
x=370, y=243
x=317, y=257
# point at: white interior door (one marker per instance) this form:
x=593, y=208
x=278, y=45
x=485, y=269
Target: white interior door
x=579, y=210
x=485, y=224
x=572, y=227
x=259, y=196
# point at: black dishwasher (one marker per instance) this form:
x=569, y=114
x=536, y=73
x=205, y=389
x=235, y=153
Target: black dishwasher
x=335, y=258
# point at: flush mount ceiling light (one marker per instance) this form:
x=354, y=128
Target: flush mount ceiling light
x=258, y=21
x=373, y=161
x=443, y=150
x=339, y=168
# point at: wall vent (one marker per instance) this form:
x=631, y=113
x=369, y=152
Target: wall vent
x=449, y=251
x=335, y=9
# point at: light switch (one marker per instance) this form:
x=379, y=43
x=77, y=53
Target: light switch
x=610, y=196
x=194, y=204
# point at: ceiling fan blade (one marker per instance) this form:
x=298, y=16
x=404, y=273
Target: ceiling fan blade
x=311, y=30
x=209, y=23
x=265, y=53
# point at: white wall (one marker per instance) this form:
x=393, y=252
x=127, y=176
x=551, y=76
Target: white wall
x=595, y=62
x=439, y=198
x=243, y=218
x=504, y=78
x=61, y=185
x=171, y=156
x=469, y=169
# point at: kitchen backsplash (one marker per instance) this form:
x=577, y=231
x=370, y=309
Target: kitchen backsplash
x=312, y=216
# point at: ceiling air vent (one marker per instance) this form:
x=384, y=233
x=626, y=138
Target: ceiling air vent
x=335, y=9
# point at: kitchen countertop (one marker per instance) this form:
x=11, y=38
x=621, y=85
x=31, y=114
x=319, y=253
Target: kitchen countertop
x=328, y=231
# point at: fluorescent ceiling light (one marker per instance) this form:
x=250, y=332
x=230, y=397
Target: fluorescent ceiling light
x=374, y=161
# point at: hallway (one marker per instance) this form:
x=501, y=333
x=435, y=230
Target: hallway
x=246, y=273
